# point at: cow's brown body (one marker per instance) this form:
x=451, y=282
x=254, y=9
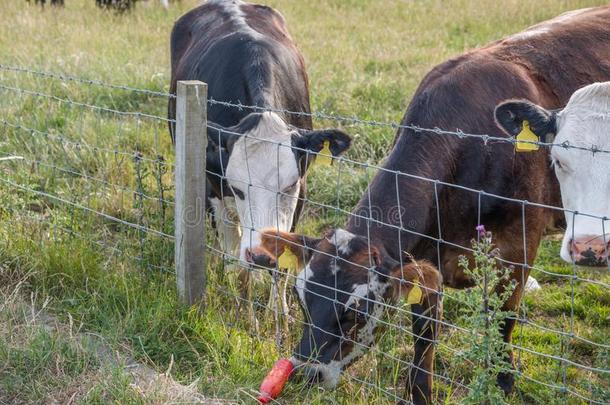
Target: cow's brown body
x=544, y=64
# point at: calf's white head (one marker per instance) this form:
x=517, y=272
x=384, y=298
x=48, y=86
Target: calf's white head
x=584, y=176
x=263, y=167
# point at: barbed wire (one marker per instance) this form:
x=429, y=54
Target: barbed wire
x=417, y=129
x=68, y=78
x=564, y=361
x=82, y=144
x=485, y=138
x=226, y=255
x=135, y=114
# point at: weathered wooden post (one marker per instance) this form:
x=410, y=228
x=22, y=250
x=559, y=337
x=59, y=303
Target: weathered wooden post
x=190, y=183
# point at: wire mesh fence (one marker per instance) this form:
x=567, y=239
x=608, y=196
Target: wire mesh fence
x=94, y=161
x=82, y=164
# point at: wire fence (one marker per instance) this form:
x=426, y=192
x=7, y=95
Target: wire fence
x=94, y=161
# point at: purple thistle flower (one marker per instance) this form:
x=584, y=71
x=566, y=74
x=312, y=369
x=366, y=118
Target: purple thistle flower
x=481, y=230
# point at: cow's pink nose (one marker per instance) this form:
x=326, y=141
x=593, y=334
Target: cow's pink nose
x=590, y=250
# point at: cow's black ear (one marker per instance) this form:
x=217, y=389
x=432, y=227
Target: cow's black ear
x=313, y=141
x=221, y=136
x=217, y=159
x=510, y=115
x=384, y=265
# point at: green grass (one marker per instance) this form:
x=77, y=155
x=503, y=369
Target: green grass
x=364, y=58
x=44, y=361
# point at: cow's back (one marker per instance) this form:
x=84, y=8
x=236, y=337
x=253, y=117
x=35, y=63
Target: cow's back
x=563, y=54
x=544, y=64
x=245, y=54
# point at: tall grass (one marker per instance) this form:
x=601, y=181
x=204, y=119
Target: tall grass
x=364, y=58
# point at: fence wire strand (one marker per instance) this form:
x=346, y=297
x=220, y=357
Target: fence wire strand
x=149, y=206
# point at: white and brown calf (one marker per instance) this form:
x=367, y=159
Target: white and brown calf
x=346, y=286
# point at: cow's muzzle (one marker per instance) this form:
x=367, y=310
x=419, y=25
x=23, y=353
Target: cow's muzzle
x=327, y=375
x=590, y=250
x=260, y=257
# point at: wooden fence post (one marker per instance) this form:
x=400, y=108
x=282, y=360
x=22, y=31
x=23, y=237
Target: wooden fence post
x=190, y=183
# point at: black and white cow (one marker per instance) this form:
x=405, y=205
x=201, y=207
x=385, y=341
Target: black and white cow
x=584, y=177
x=257, y=160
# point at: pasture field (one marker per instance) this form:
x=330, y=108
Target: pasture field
x=365, y=59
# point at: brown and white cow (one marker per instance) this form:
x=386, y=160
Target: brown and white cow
x=257, y=161
x=584, y=176
x=402, y=212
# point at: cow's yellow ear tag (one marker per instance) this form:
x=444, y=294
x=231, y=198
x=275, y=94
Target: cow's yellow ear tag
x=324, y=157
x=415, y=295
x=288, y=260
x=526, y=134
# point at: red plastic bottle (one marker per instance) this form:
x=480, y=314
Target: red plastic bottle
x=274, y=382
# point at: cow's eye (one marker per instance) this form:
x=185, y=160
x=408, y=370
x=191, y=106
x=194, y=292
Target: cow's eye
x=559, y=165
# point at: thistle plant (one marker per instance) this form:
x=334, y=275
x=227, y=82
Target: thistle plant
x=483, y=317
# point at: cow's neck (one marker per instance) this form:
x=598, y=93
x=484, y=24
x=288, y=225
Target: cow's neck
x=398, y=206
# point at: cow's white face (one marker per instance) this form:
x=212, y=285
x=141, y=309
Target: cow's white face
x=264, y=175
x=584, y=177
x=266, y=165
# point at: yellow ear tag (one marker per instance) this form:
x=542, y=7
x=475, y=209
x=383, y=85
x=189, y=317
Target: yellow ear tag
x=526, y=134
x=288, y=260
x=324, y=157
x=415, y=295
